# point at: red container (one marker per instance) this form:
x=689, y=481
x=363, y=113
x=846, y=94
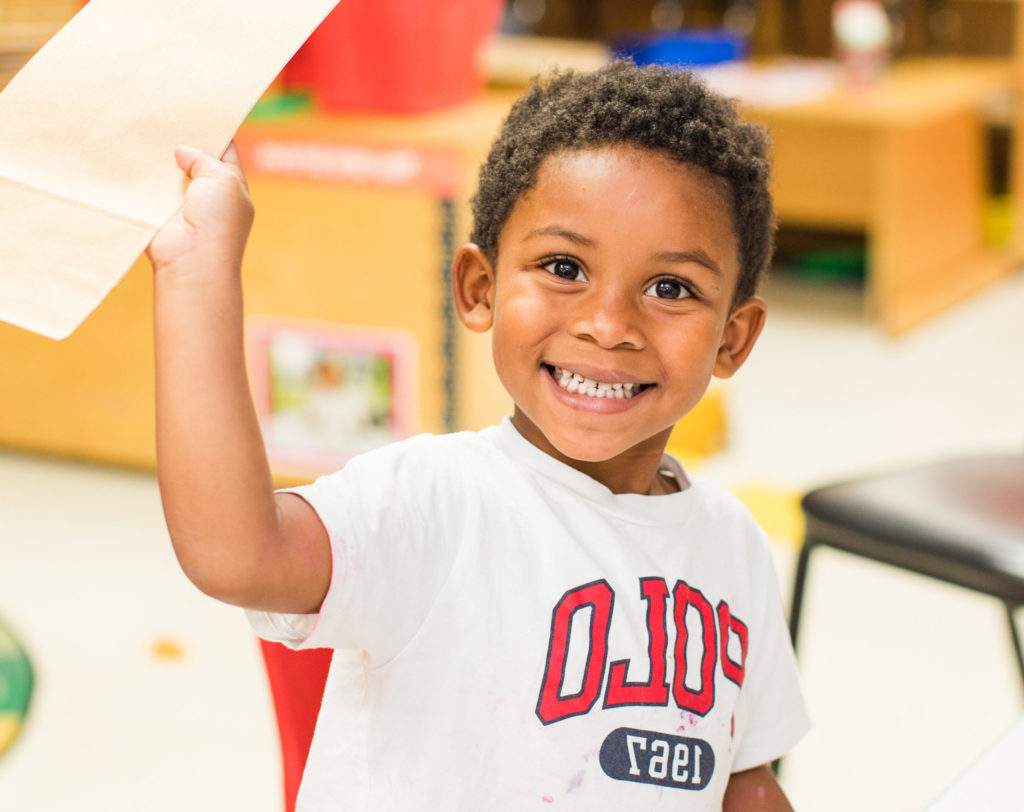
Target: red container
x=297, y=680
x=396, y=56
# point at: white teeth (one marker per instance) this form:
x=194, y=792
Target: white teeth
x=573, y=382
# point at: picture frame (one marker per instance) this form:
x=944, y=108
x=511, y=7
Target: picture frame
x=325, y=392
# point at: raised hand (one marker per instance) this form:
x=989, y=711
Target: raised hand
x=212, y=226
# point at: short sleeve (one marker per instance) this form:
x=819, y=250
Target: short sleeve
x=774, y=714
x=390, y=553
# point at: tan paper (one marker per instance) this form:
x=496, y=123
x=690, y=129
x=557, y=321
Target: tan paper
x=88, y=130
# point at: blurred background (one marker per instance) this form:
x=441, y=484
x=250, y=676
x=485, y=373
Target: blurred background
x=894, y=338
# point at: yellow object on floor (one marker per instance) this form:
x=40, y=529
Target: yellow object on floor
x=703, y=431
x=777, y=510
x=164, y=648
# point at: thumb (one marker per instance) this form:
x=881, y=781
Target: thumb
x=193, y=161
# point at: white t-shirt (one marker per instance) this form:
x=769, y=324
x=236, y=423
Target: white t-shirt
x=512, y=635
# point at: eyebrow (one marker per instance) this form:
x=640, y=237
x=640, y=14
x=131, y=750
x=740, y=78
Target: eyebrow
x=555, y=230
x=699, y=255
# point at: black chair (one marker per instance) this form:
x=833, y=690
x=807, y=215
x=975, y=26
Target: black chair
x=960, y=520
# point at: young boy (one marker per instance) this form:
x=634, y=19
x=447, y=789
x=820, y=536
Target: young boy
x=549, y=611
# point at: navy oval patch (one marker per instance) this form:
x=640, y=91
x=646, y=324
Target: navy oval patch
x=647, y=757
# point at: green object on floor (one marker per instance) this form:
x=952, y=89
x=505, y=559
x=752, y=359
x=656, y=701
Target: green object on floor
x=16, y=682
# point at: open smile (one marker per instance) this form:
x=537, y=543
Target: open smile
x=575, y=383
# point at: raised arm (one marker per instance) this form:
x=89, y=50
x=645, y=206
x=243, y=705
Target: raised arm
x=233, y=538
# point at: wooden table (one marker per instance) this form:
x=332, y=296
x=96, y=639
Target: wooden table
x=905, y=162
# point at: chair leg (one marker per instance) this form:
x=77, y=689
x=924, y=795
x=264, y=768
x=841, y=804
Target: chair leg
x=1015, y=636
x=799, y=580
x=795, y=606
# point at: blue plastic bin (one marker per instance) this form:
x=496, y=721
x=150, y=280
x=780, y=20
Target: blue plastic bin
x=681, y=48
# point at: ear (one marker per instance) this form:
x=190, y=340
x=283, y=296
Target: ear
x=739, y=336
x=473, y=288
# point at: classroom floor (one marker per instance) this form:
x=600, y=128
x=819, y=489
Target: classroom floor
x=152, y=697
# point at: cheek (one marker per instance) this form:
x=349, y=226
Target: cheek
x=690, y=357
x=521, y=325
x=521, y=321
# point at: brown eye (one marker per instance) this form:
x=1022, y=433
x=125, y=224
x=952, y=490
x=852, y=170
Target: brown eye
x=668, y=289
x=564, y=269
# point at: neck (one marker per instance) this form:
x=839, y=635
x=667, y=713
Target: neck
x=633, y=471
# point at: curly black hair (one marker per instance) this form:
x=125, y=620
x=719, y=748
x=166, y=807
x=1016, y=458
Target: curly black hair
x=655, y=108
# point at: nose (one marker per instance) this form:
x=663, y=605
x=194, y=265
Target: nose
x=609, y=318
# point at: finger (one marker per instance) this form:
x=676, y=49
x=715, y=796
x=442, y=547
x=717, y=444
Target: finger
x=189, y=159
x=195, y=163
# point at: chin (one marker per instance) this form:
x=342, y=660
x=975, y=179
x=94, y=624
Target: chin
x=590, y=457
x=585, y=450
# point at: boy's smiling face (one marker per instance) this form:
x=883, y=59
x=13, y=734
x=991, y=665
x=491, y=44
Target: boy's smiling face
x=611, y=307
